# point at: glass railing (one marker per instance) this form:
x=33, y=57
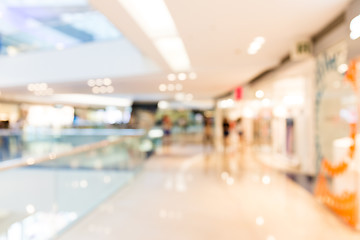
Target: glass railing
x=42, y=197
x=38, y=142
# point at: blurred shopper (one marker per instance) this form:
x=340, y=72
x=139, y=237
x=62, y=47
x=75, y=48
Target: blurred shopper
x=240, y=130
x=208, y=133
x=166, y=126
x=226, y=131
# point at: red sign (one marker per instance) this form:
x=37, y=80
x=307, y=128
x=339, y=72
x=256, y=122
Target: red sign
x=238, y=94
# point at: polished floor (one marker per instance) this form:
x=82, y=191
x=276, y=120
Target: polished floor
x=187, y=193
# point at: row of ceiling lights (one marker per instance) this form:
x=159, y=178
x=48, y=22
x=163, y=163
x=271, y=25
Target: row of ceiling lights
x=40, y=89
x=181, y=76
x=101, y=85
x=170, y=87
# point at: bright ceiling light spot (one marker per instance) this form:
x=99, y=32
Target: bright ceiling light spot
x=228, y=103
x=173, y=51
x=107, y=81
x=178, y=87
x=31, y=87
x=155, y=20
x=192, y=76
x=182, y=76
x=266, y=180
x=255, y=45
x=43, y=86
x=103, y=89
x=171, y=87
x=91, y=83
x=163, y=104
x=180, y=97
x=171, y=77
x=260, y=221
x=162, y=87
x=96, y=90
x=152, y=16
x=99, y=82
x=355, y=28
x=259, y=94
x=342, y=68
x=189, y=97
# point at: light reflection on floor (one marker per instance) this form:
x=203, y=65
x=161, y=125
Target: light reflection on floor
x=189, y=194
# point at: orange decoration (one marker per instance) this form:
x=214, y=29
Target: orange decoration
x=334, y=170
x=344, y=205
x=351, y=74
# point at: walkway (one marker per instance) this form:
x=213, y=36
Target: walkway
x=188, y=195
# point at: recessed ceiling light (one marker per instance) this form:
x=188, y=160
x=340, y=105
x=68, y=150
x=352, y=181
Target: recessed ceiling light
x=189, y=97
x=91, y=83
x=99, y=82
x=181, y=76
x=259, y=94
x=171, y=77
x=103, y=89
x=180, y=96
x=171, y=87
x=96, y=90
x=107, y=81
x=178, y=87
x=110, y=89
x=192, y=76
x=162, y=87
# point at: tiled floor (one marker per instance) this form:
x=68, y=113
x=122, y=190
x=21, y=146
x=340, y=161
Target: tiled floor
x=188, y=194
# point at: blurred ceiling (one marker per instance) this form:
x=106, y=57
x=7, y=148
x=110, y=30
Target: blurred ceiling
x=216, y=36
